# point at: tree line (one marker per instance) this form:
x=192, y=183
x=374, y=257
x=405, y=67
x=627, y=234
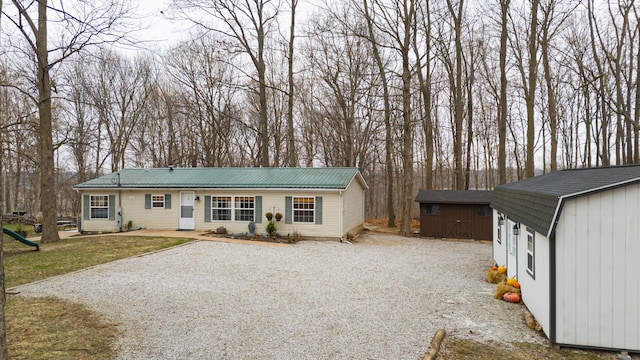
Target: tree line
x=418, y=94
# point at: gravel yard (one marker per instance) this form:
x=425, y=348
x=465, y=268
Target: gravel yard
x=381, y=298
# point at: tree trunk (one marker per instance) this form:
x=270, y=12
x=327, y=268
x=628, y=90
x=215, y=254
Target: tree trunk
x=531, y=93
x=407, y=128
x=425, y=90
x=3, y=297
x=388, y=146
x=458, y=101
x=502, y=119
x=293, y=162
x=48, y=194
x=551, y=95
x=261, y=67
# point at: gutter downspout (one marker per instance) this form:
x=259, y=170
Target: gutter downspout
x=340, y=217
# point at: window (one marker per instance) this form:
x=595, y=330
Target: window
x=303, y=209
x=531, y=248
x=244, y=208
x=499, y=239
x=157, y=201
x=511, y=238
x=221, y=208
x=431, y=209
x=99, y=207
x=484, y=210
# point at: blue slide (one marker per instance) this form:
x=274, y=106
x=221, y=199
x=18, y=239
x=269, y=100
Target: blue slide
x=20, y=238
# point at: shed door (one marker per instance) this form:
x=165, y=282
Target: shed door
x=458, y=221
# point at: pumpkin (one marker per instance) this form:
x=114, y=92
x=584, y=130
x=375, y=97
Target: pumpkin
x=511, y=281
x=494, y=267
x=502, y=269
x=511, y=297
x=516, y=285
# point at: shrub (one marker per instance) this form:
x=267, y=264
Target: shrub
x=271, y=228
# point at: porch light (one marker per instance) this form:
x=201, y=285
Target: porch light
x=197, y=198
x=501, y=220
x=516, y=229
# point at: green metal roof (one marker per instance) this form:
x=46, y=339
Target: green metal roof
x=231, y=178
x=537, y=202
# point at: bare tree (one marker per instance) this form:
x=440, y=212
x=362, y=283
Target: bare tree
x=91, y=23
x=247, y=23
x=291, y=144
x=502, y=114
x=391, y=218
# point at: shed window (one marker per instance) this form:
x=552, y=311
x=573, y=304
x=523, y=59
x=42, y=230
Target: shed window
x=304, y=209
x=221, y=208
x=484, y=210
x=244, y=208
x=531, y=252
x=157, y=201
x=431, y=209
x=99, y=207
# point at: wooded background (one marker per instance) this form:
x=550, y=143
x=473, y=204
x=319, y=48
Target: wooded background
x=418, y=94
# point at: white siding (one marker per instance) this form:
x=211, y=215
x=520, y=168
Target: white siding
x=274, y=201
x=499, y=248
x=598, y=272
x=99, y=225
x=535, y=289
x=353, y=208
x=133, y=205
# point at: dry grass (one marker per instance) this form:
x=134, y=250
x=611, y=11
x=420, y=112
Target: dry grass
x=51, y=328
x=23, y=265
x=502, y=288
x=380, y=225
x=495, y=276
x=465, y=349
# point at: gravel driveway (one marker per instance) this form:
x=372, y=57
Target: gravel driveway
x=381, y=298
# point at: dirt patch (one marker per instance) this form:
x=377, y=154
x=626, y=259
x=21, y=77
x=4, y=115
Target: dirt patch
x=466, y=349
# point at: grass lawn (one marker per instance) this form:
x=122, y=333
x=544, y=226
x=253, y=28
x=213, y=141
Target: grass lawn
x=52, y=328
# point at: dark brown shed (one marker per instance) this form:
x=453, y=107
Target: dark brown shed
x=460, y=214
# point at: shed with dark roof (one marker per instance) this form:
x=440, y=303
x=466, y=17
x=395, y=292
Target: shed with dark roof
x=572, y=239
x=461, y=214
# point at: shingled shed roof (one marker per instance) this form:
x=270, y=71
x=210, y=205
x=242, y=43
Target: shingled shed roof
x=537, y=202
x=227, y=178
x=454, y=196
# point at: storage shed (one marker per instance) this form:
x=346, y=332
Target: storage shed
x=460, y=214
x=572, y=239
x=325, y=203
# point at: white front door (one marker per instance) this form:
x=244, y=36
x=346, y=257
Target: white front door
x=187, y=209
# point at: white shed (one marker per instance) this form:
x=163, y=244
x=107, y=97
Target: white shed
x=313, y=202
x=572, y=238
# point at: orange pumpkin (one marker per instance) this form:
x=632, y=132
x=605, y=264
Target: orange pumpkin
x=494, y=267
x=516, y=285
x=511, y=297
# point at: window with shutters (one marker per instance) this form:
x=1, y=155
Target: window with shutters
x=303, y=209
x=244, y=208
x=233, y=208
x=99, y=207
x=157, y=201
x=221, y=208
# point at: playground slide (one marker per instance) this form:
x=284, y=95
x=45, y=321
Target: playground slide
x=20, y=238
